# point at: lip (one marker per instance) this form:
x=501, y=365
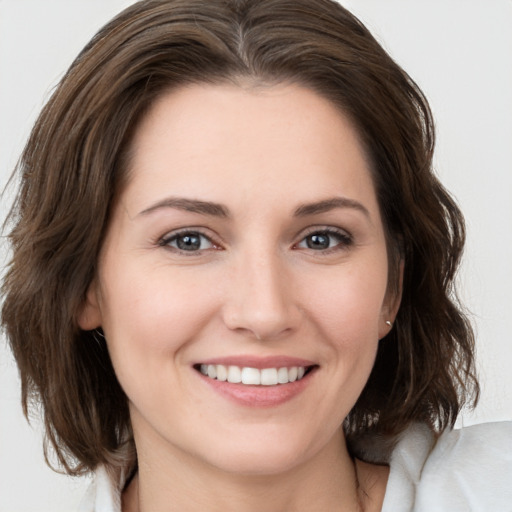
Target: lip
x=259, y=362
x=259, y=396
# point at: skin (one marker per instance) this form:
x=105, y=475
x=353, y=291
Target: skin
x=254, y=287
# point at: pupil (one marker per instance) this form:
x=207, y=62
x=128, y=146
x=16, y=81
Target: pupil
x=318, y=241
x=189, y=242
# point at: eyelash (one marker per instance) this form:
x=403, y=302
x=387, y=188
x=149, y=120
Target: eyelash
x=167, y=240
x=344, y=240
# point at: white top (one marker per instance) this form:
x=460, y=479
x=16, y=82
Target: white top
x=467, y=470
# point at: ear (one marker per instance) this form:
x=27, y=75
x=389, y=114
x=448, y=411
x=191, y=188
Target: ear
x=89, y=314
x=391, y=305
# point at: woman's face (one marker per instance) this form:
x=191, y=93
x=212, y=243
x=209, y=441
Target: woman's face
x=248, y=244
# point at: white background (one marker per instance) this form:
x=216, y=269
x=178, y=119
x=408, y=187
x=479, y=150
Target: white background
x=460, y=53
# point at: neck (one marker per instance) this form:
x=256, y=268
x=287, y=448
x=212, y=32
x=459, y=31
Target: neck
x=177, y=481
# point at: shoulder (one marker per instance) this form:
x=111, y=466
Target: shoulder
x=465, y=469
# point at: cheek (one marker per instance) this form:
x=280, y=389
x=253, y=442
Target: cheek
x=349, y=304
x=347, y=313
x=149, y=318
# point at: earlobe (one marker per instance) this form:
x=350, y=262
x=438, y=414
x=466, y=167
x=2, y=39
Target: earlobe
x=89, y=314
x=391, y=306
x=385, y=324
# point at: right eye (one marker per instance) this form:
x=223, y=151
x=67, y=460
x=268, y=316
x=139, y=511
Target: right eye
x=187, y=241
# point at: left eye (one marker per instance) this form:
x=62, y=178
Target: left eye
x=322, y=240
x=189, y=241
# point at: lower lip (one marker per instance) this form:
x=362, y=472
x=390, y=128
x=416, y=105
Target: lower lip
x=259, y=396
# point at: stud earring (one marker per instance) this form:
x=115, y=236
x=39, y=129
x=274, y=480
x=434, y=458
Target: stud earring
x=389, y=324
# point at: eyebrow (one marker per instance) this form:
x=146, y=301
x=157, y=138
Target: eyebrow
x=219, y=210
x=189, y=205
x=327, y=205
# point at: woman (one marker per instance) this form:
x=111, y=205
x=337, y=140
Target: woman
x=232, y=270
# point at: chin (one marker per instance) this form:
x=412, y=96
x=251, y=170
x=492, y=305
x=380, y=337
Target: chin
x=259, y=464
x=263, y=454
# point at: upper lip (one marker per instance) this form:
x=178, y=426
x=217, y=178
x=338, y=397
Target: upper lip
x=247, y=361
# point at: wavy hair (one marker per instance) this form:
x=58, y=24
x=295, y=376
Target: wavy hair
x=75, y=162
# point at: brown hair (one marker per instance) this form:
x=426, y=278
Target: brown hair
x=75, y=162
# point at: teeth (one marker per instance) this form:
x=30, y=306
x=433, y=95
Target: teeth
x=282, y=376
x=212, y=371
x=253, y=376
x=269, y=377
x=234, y=374
x=222, y=372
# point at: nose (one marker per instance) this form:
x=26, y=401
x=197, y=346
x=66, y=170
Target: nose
x=261, y=301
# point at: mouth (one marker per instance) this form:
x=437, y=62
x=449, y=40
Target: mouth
x=249, y=376
x=253, y=381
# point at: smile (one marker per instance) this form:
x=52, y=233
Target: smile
x=253, y=376
x=258, y=382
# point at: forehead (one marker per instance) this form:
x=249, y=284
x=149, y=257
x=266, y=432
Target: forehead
x=200, y=138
